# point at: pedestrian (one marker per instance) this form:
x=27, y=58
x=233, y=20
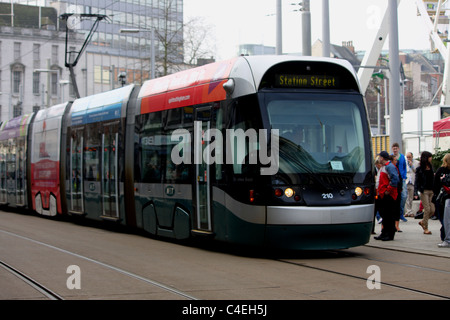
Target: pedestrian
x=446, y=242
x=394, y=160
x=443, y=170
x=378, y=166
x=387, y=193
x=424, y=186
x=411, y=165
x=401, y=165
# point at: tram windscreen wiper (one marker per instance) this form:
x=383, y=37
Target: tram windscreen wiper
x=296, y=156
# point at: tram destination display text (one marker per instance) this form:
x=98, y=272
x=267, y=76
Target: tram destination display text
x=306, y=81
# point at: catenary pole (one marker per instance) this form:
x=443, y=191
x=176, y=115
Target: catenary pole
x=326, y=28
x=395, y=130
x=279, y=48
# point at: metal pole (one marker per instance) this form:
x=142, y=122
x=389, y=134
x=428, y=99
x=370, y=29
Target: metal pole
x=395, y=130
x=48, y=83
x=153, y=53
x=279, y=50
x=306, y=29
x=386, y=105
x=378, y=114
x=326, y=28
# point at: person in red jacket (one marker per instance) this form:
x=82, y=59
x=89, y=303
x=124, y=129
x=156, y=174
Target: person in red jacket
x=388, y=193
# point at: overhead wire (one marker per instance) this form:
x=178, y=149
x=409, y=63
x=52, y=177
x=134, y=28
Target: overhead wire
x=53, y=38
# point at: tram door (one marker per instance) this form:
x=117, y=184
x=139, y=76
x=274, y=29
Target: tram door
x=3, y=173
x=202, y=170
x=110, y=188
x=11, y=185
x=76, y=201
x=20, y=171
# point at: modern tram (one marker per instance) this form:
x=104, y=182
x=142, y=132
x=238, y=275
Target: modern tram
x=269, y=151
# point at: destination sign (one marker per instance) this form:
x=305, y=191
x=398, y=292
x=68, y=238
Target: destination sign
x=306, y=81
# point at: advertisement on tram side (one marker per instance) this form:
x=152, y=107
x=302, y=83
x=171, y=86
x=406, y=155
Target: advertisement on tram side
x=45, y=161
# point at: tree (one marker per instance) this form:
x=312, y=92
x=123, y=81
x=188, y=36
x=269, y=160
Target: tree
x=198, y=40
x=169, y=34
x=177, y=42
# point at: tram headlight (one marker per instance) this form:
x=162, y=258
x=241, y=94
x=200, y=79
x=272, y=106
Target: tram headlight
x=358, y=191
x=289, y=192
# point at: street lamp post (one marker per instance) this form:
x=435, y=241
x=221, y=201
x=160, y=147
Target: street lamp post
x=326, y=28
x=62, y=83
x=48, y=71
x=152, y=45
x=279, y=28
x=305, y=9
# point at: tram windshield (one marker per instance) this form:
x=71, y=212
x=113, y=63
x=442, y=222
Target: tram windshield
x=319, y=133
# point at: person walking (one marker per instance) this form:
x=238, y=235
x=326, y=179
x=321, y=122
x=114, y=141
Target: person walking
x=446, y=225
x=387, y=194
x=401, y=165
x=411, y=166
x=443, y=170
x=394, y=160
x=378, y=166
x=424, y=185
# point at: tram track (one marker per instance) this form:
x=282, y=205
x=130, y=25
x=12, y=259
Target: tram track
x=384, y=283
x=248, y=274
x=40, y=287
x=31, y=282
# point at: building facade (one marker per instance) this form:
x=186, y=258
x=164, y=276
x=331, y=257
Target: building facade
x=33, y=74
x=32, y=51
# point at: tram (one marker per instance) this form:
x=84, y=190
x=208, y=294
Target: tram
x=269, y=151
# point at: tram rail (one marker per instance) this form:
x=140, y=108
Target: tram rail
x=31, y=282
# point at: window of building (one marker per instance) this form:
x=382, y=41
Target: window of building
x=54, y=83
x=17, y=111
x=17, y=81
x=36, y=82
x=54, y=54
x=36, y=53
x=101, y=74
x=17, y=50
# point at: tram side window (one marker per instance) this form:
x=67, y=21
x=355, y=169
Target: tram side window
x=245, y=124
x=20, y=164
x=46, y=145
x=149, y=151
x=92, y=152
x=180, y=118
x=11, y=160
x=153, y=151
x=3, y=151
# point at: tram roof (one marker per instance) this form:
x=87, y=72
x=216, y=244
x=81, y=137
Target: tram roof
x=100, y=107
x=206, y=83
x=16, y=127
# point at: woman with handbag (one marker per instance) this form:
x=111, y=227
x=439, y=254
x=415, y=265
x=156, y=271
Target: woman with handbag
x=424, y=185
x=440, y=178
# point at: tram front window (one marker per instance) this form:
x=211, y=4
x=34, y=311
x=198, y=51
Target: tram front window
x=318, y=133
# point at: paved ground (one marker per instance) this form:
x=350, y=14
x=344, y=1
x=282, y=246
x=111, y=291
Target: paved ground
x=413, y=239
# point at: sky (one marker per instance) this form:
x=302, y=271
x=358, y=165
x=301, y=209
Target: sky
x=237, y=22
